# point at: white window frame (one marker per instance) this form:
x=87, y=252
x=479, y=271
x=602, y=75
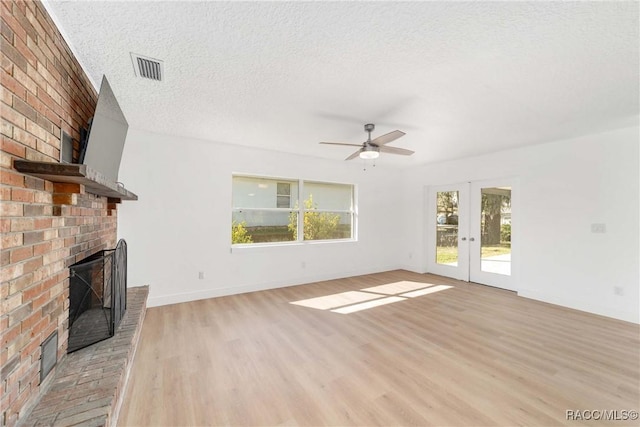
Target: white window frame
x=353, y=212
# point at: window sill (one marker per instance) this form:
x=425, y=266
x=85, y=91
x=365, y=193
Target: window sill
x=267, y=246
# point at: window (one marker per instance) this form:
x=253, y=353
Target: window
x=328, y=211
x=268, y=210
x=258, y=212
x=283, y=195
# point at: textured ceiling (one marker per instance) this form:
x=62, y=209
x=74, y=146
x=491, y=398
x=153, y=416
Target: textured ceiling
x=460, y=79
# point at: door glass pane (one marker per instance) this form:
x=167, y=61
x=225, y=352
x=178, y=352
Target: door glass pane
x=495, y=227
x=447, y=228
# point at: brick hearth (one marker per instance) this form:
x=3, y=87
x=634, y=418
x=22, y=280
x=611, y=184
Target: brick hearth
x=89, y=383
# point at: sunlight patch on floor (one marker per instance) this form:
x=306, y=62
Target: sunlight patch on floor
x=352, y=301
x=397, y=287
x=365, y=305
x=426, y=291
x=337, y=300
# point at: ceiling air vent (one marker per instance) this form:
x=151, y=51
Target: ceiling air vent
x=148, y=68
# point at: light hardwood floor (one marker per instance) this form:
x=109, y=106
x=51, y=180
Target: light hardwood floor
x=470, y=356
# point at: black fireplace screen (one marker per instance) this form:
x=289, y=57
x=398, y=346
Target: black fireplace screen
x=97, y=296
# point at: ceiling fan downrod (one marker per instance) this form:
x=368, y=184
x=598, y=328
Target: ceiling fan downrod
x=369, y=127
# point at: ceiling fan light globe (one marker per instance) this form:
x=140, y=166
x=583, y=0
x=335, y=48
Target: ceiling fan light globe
x=369, y=155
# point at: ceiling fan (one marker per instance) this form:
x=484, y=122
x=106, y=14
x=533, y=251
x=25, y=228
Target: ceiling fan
x=371, y=148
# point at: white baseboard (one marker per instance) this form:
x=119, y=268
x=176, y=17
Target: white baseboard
x=412, y=268
x=159, y=300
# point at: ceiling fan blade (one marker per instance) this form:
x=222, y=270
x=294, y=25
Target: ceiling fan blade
x=354, y=155
x=396, y=150
x=342, y=143
x=387, y=138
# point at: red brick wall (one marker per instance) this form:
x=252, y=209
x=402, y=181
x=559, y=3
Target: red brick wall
x=45, y=226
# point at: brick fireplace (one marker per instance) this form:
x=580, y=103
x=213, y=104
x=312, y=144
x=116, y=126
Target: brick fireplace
x=46, y=226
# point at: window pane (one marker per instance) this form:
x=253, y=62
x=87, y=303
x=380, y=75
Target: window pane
x=283, y=202
x=495, y=220
x=263, y=226
x=447, y=228
x=284, y=189
x=319, y=195
x=327, y=225
x=249, y=192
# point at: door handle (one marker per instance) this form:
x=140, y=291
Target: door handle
x=463, y=239
x=471, y=239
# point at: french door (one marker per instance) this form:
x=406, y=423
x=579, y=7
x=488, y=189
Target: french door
x=469, y=232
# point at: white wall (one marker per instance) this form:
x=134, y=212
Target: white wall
x=181, y=224
x=565, y=187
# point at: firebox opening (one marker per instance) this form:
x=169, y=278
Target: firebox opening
x=97, y=296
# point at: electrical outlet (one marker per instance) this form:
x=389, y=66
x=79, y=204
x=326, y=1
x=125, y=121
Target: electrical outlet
x=303, y=264
x=201, y=275
x=598, y=228
x=618, y=290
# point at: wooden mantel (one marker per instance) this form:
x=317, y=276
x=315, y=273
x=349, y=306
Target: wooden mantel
x=93, y=181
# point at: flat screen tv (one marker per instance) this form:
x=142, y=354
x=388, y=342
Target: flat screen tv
x=102, y=148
